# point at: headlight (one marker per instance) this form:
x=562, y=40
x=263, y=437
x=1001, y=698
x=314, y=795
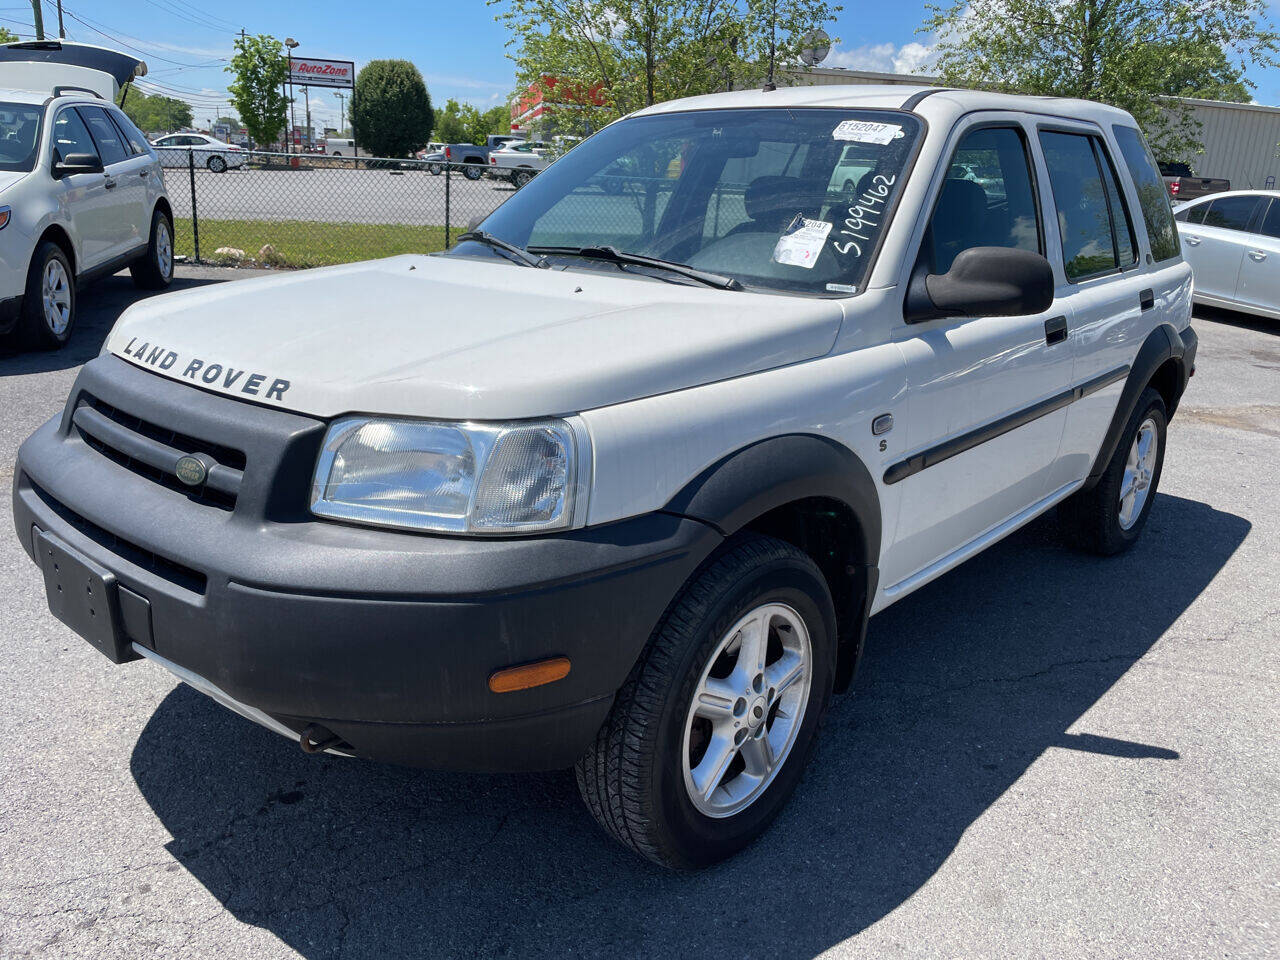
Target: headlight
x=449, y=477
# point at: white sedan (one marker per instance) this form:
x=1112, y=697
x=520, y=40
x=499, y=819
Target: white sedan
x=1232, y=241
x=519, y=161
x=208, y=151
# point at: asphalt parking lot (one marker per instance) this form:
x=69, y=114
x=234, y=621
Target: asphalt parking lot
x=1044, y=755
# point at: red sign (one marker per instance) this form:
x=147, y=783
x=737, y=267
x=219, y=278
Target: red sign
x=321, y=73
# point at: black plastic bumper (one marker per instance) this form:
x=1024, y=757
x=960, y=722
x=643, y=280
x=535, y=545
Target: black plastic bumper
x=387, y=639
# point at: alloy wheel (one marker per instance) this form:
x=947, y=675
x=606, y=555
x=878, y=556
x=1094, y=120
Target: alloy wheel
x=747, y=710
x=56, y=294
x=164, y=248
x=1139, y=469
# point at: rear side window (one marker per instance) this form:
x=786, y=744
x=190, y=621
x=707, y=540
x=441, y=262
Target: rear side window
x=110, y=144
x=1192, y=214
x=133, y=137
x=1153, y=196
x=1271, y=222
x=1231, y=213
x=987, y=199
x=1092, y=221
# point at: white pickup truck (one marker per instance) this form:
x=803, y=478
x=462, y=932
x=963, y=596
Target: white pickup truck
x=617, y=482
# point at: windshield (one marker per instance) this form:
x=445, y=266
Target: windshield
x=19, y=134
x=785, y=199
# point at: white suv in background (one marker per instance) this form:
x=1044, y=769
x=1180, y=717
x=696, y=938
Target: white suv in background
x=210, y=153
x=81, y=196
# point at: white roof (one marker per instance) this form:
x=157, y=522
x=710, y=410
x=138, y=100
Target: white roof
x=1275, y=194
x=941, y=103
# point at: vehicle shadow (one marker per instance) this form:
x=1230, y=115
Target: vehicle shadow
x=1235, y=318
x=98, y=306
x=964, y=685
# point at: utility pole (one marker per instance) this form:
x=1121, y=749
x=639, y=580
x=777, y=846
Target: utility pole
x=39, y=18
x=62, y=31
x=306, y=92
x=342, y=116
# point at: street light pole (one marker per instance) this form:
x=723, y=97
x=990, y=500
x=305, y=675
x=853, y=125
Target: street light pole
x=292, y=44
x=342, y=115
x=306, y=92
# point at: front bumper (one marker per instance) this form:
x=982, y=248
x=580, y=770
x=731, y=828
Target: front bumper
x=385, y=638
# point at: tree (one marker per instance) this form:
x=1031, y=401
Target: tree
x=450, y=127
x=391, y=113
x=610, y=57
x=7, y=36
x=261, y=69
x=157, y=114
x=1128, y=53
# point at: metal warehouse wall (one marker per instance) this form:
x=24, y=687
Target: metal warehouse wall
x=1240, y=142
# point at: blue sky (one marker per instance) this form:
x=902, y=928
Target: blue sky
x=457, y=45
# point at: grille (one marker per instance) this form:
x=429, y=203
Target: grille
x=148, y=450
x=170, y=570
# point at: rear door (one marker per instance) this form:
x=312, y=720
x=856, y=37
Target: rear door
x=1103, y=278
x=985, y=420
x=1259, y=283
x=126, y=191
x=1216, y=247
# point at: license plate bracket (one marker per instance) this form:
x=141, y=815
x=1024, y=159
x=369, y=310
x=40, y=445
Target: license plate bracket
x=82, y=594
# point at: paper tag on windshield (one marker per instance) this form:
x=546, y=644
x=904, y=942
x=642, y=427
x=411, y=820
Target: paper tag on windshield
x=801, y=242
x=865, y=131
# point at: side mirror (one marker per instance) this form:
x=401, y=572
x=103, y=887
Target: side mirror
x=77, y=163
x=983, y=282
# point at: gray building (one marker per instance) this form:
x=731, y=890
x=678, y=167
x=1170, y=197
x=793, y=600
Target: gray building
x=1240, y=139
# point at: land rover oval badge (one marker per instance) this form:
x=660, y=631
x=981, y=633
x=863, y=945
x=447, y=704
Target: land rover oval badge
x=191, y=470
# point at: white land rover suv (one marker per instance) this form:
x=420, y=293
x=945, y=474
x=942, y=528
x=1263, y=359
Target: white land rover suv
x=616, y=483
x=81, y=196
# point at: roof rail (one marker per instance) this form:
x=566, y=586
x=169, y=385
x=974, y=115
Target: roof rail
x=61, y=90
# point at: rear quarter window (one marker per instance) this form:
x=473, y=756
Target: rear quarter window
x=1153, y=197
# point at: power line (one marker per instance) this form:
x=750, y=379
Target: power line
x=154, y=56
x=191, y=17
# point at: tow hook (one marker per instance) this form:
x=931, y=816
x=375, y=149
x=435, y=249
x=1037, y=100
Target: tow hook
x=317, y=739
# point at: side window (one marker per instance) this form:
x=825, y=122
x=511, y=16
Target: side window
x=987, y=199
x=1126, y=245
x=1231, y=213
x=70, y=135
x=1153, y=196
x=1090, y=241
x=1271, y=222
x=133, y=137
x=110, y=144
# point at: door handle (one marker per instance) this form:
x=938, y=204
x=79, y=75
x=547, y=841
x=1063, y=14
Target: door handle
x=143, y=173
x=1192, y=241
x=1257, y=256
x=1147, y=299
x=1055, y=330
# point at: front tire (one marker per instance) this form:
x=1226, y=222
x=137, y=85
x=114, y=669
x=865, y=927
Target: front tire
x=49, y=302
x=1109, y=518
x=435, y=169
x=154, y=269
x=709, y=735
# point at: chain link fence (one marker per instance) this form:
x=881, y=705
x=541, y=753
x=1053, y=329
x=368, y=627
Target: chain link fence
x=299, y=210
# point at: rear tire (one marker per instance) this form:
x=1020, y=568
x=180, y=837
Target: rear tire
x=435, y=169
x=707, y=740
x=472, y=171
x=521, y=178
x=1109, y=518
x=154, y=269
x=217, y=165
x=49, y=302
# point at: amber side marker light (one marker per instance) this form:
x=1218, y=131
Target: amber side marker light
x=529, y=675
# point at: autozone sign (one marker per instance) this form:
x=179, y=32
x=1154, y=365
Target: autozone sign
x=322, y=73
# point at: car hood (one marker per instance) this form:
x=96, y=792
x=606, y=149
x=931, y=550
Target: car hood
x=9, y=177
x=463, y=339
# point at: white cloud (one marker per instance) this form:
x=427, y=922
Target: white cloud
x=885, y=57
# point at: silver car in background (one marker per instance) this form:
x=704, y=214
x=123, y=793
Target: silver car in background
x=176, y=149
x=1232, y=241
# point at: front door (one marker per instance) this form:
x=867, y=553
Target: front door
x=983, y=420
x=83, y=197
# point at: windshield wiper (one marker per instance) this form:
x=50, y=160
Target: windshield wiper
x=520, y=253
x=614, y=255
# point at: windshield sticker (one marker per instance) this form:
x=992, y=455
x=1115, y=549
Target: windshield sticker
x=865, y=131
x=801, y=242
x=841, y=288
x=864, y=217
